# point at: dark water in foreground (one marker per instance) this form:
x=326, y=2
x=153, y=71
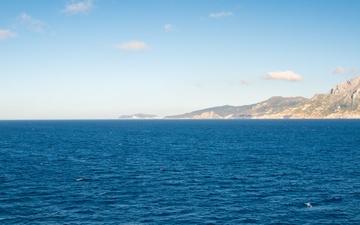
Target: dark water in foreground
x=180, y=172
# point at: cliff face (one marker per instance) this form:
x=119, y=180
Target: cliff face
x=342, y=101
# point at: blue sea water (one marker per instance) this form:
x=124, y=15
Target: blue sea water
x=180, y=172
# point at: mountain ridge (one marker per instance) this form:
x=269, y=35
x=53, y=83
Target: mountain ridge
x=342, y=101
x=271, y=106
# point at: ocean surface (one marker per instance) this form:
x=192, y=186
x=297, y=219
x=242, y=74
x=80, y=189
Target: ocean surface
x=180, y=172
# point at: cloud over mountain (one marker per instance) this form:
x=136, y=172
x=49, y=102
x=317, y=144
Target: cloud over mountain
x=283, y=75
x=339, y=70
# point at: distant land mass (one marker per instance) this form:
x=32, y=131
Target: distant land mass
x=342, y=101
x=138, y=116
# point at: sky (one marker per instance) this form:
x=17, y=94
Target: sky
x=100, y=59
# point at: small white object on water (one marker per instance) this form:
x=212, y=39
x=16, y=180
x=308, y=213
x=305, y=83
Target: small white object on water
x=308, y=204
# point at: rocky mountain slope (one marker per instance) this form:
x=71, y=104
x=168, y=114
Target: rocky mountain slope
x=269, y=107
x=342, y=101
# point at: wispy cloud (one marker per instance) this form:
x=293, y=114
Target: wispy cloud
x=168, y=27
x=283, y=75
x=79, y=7
x=132, y=46
x=245, y=82
x=31, y=23
x=221, y=14
x=6, y=34
x=339, y=70
x=354, y=72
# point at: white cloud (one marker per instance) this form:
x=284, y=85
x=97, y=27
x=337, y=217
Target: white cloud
x=283, y=75
x=168, y=27
x=31, y=23
x=79, y=7
x=339, y=70
x=221, y=14
x=132, y=46
x=6, y=34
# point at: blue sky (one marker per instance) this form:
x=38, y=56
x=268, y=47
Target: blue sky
x=99, y=59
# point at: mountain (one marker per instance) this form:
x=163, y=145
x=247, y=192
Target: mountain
x=138, y=116
x=272, y=106
x=342, y=101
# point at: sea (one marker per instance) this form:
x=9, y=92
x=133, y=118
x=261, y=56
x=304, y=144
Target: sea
x=180, y=172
